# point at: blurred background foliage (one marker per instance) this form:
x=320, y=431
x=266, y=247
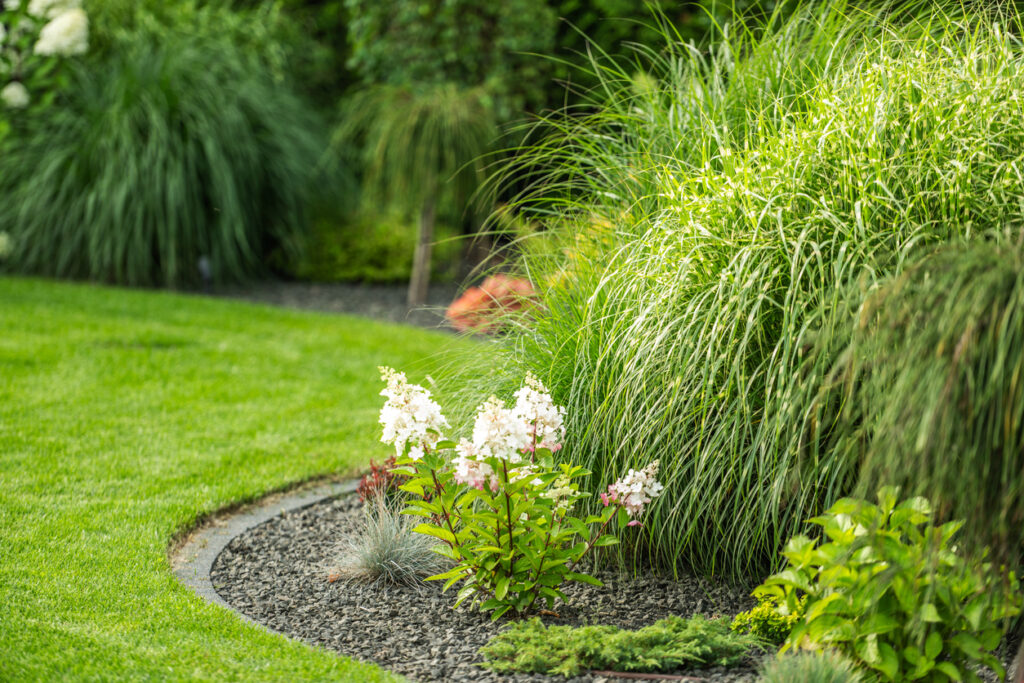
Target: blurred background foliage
x=196, y=130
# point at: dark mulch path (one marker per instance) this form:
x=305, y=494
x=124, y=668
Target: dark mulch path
x=277, y=573
x=381, y=302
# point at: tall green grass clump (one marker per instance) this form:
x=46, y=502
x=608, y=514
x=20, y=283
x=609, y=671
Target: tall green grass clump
x=166, y=152
x=931, y=389
x=705, y=226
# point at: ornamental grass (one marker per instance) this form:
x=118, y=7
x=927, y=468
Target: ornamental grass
x=706, y=222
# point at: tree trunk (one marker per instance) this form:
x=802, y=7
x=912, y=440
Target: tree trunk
x=420, y=280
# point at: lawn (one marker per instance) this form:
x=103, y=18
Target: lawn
x=125, y=416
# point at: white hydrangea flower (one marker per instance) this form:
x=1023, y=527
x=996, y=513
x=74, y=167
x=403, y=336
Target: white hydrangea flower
x=409, y=416
x=472, y=471
x=635, y=490
x=65, y=35
x=15, y=95
x=48, y=9
x=535, y=407
x=499, y=432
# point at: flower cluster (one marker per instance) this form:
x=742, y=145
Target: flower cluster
x=635, y=490
x=471, y=470
x=543, y=418
x=500, y=432
x=511, y=535
x=29, y=33
x=412, y=421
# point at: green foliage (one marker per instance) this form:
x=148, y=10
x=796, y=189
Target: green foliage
x=463, y=42
x=770, y=620
x=164, y=153
x=513, y=543
x=666, y=645
x=888, y=589
x=415, y=141
x=704, y=226
x=810, y=667
x=367, y=247
x=385, y=549
x=929, y=381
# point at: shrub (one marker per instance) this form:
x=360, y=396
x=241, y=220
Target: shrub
x=500, y=506
x=810, y=667
x=889, y=590
x=367, y=247
x=380, y=482
x=164, y=153
x=714, y=213
x=385, y=549
x=770, y=620
x=929, y=381
x=668, y=644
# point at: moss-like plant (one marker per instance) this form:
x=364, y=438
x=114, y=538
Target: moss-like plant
x=771, y=620
x=672, y=643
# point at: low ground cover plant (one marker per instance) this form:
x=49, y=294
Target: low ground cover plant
x=501, y=506
x=770, y=620
x=531, y=647
x=888, y=589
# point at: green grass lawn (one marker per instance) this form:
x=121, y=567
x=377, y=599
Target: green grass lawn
x=124, y=417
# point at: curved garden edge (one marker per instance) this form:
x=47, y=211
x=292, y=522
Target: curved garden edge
x=192, y=554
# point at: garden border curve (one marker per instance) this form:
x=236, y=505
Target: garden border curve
x=192, y=560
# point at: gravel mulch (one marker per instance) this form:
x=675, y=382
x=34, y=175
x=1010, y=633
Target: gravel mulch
x=277, y=573
x=381, y=302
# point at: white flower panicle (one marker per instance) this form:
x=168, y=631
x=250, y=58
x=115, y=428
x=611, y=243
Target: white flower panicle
x=15, y=95
x=48, y=9
x=635, y=490
x=544, y=419
x=409, y=416
x=67, y=34
x=471, y=471
x=500, y=433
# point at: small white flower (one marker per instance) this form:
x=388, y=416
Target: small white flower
x=15, y=95
x=499, y=432
x=544, y=419
x=469, y=470
x=65, y=35
x=636, y=489
x=409, y=416
x=48, y=9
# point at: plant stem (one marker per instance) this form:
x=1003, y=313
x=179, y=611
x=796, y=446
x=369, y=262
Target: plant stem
x=508, y=510
x=444, y=511
x=590, y=543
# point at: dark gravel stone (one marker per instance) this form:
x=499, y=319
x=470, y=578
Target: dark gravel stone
x=277, y=573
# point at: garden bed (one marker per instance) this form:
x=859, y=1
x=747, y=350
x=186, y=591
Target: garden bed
x=278, y=573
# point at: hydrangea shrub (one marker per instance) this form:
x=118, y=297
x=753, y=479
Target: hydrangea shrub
x=499, y=505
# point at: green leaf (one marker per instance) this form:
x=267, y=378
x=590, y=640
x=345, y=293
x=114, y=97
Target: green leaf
x=436, y=532
x=890, y=662
x=583, y=578
x=500, y=611
x=929, y=614
x=950, y=670
x=607, y=539
x=933, y=646
x=501, y=587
